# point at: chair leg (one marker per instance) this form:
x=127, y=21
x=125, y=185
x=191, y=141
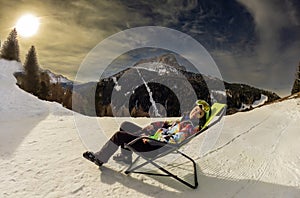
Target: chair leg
x=167, y=173
x=130, y=169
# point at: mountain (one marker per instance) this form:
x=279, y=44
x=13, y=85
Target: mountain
x=166, y=59
x=156, y=86
x=161, y=86
x=52, y=87
x=57, y=78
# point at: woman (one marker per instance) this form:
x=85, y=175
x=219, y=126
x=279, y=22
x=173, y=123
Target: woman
x=171, y=132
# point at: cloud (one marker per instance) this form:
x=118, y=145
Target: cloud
x=271, y=63
x=270, y=18
x=68, y=30
x=294, y=11
x=254, y=42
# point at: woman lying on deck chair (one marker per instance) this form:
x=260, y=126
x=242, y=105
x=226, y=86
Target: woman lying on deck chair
x=171, y=132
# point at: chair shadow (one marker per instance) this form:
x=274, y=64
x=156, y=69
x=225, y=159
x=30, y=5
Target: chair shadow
x=209, y=186
x=111, y=176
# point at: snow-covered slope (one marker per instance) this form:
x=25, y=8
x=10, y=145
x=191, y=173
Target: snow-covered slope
x=257, y=153
x=19, y=111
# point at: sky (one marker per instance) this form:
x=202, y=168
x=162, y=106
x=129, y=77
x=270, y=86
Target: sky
x=252, y=42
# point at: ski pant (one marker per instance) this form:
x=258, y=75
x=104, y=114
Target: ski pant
x=128, y=132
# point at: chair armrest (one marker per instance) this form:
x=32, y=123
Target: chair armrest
x=150, y=141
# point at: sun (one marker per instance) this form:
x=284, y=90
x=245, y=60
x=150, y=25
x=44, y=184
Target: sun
x=27, y=25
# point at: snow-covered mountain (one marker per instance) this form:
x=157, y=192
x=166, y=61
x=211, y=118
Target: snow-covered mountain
x=160, y=68
x=163, y=63
x=165, y=73
x=159, y=79
x=57, y=78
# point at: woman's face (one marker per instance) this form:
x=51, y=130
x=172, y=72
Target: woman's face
x=197, y=113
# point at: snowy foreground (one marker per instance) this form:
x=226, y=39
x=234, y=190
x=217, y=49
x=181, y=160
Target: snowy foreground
x=256, y=155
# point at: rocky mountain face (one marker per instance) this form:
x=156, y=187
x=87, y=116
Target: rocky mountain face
x=167, y=59
x=159, y=86
x=153, y=87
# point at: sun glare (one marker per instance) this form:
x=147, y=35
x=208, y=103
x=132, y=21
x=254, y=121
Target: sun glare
x=28, y=25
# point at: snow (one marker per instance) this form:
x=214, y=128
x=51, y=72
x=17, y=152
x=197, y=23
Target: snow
x=257, y=153
x=150, y=94
x=263, y=99
x=117, y=86
x=54, y=78
x=160, y=68
x=223, y=93
x=215, y=93
x=257, y=103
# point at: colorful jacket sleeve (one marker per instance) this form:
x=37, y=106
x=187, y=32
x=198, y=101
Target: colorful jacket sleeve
x=154, y=126
x=176, y=133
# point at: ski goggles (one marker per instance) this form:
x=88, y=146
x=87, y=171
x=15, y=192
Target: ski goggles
x=203, y=105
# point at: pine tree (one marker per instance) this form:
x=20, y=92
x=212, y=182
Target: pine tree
x=44, y=91
x=296, y=86
x=56, y=93
x=67, y=99
x=32, y=74
x=10, y=48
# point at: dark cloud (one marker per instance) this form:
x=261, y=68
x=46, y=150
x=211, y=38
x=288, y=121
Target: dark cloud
x=275, y=54
x=254, y=42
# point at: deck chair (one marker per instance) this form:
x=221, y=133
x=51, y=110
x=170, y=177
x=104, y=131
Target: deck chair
x=161, y=149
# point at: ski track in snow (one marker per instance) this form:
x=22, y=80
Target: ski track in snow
x=258, y=170
x=265, y=166
x=236, y=137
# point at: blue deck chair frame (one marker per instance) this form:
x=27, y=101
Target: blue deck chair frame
x=164, y=149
